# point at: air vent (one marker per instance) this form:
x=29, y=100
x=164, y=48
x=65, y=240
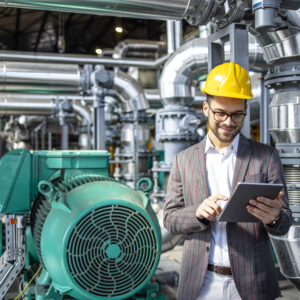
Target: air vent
x=112, y=251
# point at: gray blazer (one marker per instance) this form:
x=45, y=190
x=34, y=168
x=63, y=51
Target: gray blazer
x=249, y=245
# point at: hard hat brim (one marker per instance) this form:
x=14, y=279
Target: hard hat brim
x=228, y=95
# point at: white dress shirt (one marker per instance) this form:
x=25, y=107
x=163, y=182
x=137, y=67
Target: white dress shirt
x=219, y=169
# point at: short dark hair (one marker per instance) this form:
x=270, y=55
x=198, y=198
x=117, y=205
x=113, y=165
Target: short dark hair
x=208, y=98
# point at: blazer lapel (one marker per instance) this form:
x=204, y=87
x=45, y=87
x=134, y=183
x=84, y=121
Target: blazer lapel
x=201, y=168
x=244, y=153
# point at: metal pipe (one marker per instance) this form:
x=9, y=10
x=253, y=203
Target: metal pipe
x=154, y=98
x=130, y=91
x=49, y=141
x=293, y=17
x=36, y=131
x=187, y=63
x=178, y=34
x=279, y=44
x=43, y=134
x=39, y=74
x=65, y=136
x=156, y=10
x=81, y=59
x=171, y=36
x=264, y=114
x=122, y=48
x=20, y=104
x=86, y=120
x=83, y=112
x=99, y=121
x=135, y=142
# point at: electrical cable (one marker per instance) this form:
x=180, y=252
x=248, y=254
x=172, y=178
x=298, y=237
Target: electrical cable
x=28, y=284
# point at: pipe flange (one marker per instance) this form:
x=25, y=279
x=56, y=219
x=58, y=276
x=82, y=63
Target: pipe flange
x=223, y=17
x=85, y=79
x=199, y=12
x=283, y=76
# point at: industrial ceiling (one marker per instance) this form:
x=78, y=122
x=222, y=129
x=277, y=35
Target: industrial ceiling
x=50, y=31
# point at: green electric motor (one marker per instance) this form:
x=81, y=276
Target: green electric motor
x=96, y=238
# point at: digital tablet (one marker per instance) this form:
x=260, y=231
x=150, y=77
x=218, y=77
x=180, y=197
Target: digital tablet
x=235, y=209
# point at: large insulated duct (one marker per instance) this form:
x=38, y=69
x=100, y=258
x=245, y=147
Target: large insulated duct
x=23, y=104
x=16, y=76
x=135, y=131
x=123, y=47
x=148, y=9
x=188, y=62
x=280, y=44
x=130, y=92
x=282, y=50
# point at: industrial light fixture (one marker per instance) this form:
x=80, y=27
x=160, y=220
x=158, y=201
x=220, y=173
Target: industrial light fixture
x=119, y=29
x=99, y=51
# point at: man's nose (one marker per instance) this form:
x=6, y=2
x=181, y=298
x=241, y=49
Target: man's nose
x=228, y=121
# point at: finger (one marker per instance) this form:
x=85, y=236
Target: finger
x=217, y=209
x=279, y=196
x=204, y=211
x=273, y=211
x=210, y=211
x=207, y=216
x=259, y=214
x=217, y=197
x=269, y=202
x=262, y=206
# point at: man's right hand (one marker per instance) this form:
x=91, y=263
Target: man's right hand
x=209, y=208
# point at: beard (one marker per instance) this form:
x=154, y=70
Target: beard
x=223, y=136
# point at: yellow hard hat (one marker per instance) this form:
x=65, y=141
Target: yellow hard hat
x=228, y=80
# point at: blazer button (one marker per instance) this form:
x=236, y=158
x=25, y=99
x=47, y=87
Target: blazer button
x=207, y=249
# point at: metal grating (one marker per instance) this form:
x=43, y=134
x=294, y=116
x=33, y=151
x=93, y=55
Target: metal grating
x=292, y=178
x=111, y=251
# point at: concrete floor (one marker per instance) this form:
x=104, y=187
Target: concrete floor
x=170, y=262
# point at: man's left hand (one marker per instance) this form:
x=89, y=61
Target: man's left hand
x=266, y=210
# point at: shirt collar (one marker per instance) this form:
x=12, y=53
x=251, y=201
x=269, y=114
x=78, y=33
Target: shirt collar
x=234, y=145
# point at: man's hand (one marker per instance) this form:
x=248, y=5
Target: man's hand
x=266, y=210
x=209, y=209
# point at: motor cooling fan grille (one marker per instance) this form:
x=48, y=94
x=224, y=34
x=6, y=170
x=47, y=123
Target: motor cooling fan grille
x=111, y=251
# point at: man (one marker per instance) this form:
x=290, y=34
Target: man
x=225, y=260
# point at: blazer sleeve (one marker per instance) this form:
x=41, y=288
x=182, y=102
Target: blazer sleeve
x=275, y=175
x=179, y=218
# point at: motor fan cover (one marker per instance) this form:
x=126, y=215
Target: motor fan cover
x=101, y=240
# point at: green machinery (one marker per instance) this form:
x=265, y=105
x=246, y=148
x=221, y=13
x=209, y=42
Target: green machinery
x=94, y=237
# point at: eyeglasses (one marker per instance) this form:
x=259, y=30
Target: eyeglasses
x=223, y=116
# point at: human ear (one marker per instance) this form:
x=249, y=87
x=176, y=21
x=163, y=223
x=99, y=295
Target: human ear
x=205, y=108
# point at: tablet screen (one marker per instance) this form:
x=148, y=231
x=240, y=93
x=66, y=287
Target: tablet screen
x=235, y=209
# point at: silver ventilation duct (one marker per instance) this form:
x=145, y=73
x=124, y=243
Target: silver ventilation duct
x=282, y=50
x=15, y=76
x=123, y=47
x=190, y=61
x=135, y=132
x=130, y=92
x=284, y=124
x=149, y=9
